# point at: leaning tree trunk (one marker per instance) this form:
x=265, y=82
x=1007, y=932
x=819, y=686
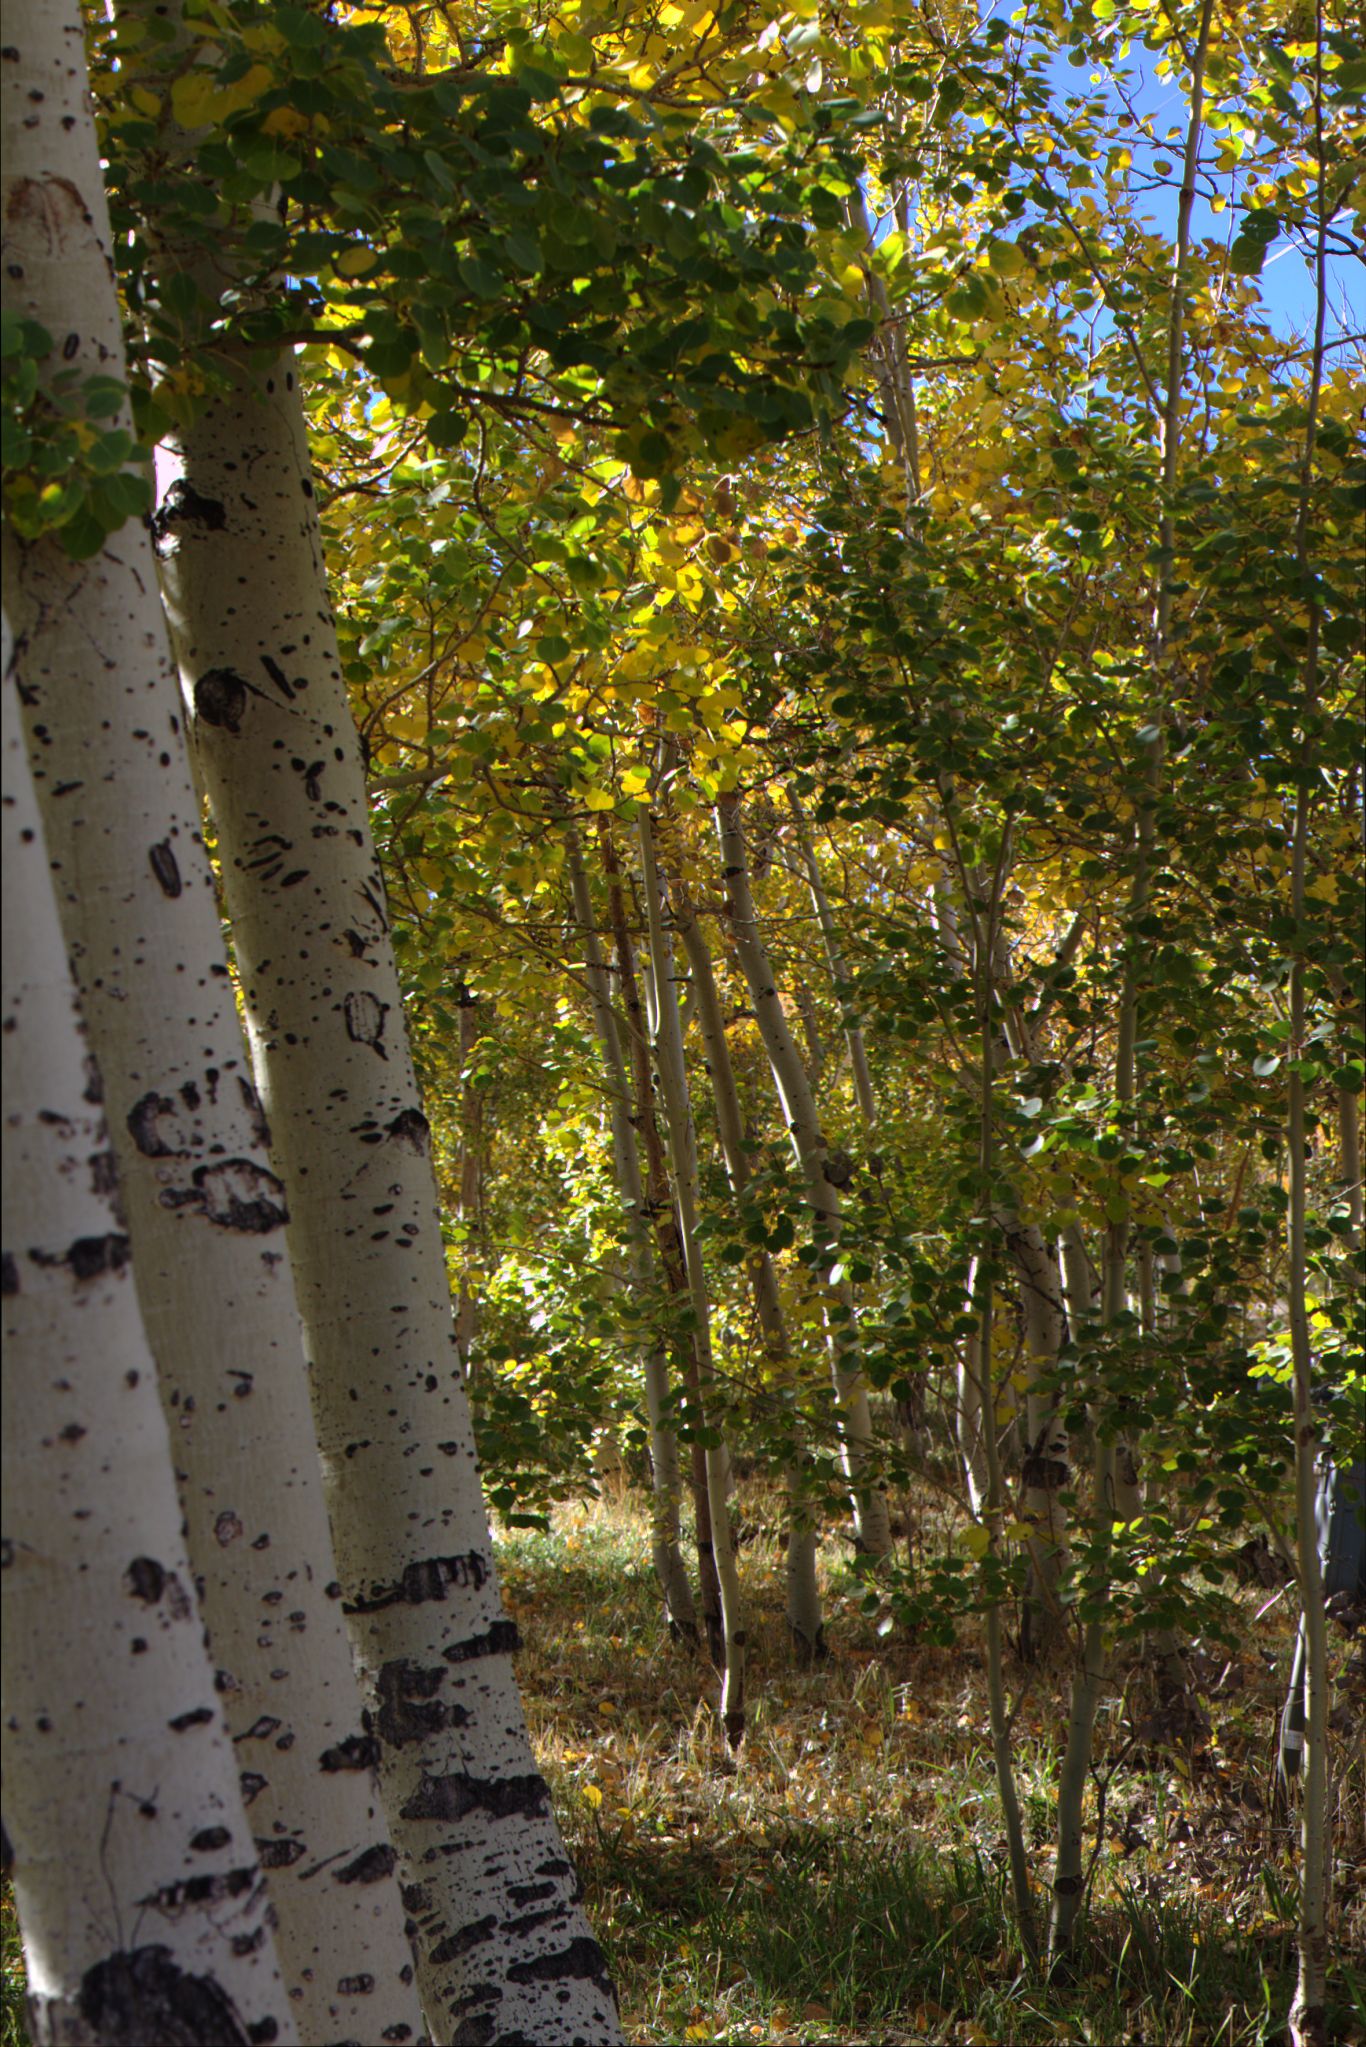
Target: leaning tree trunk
x=144, y=1913
x=667, y=1483
x=501, y=1939
x=673, y=1075
x=803, y=1592
x=205, y=1211
x=871, y=1519
x=834, y=957
x=659, y=1204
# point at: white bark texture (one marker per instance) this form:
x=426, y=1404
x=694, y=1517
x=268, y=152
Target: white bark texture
x=206, y=1212
x=803, y=1592
x=140, y=1894
x=680, y=1608
x=834, y=959
x=503, y=1948
x=673, y=1076
x=871, y=1519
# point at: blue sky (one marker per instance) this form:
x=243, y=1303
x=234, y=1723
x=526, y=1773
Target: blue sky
x=1286, y=280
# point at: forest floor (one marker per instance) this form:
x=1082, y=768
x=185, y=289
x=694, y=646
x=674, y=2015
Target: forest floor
x=843, y=1881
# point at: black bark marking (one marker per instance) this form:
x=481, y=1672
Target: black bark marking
x=280, y=1854
x=357, y=944
x=145, y=1579
x=471, y=1936
x=501, y=1639
x=199, y=1890
x=261, y=1729
x=530, y=1894
x=233, y=1194
x=357, y=1752
x=143, y=1120
x=451, y=1798
x=133, y=1997
x=426, y=1579
x=165, y=867
x=416, y=1897
x=355, y=1986
x=583, y=1959
x=252, y=1103
x=227, y=1528
x=408, y=1707
x=515, y=1928
x=370, y=1866
x=473, y=2032
x=184, y=506
x=278, y=677
x=209, y=1838
x=220, y=698
x=89, y=1257
x=365, y=1016
x=9, y=1273
x=104, y=1176
x=263, y=2032
x=398, y=2032
x=556, y=1866
x=253, y=1784
x=198, y=1716
x=411, y=1127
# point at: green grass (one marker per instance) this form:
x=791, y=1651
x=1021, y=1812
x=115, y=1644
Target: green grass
x=12, y=2029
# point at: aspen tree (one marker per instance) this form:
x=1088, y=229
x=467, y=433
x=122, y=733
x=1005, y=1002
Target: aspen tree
x=667, y=1483
x=206, y=1212
x=803, y=1597
x=1308, y=2013
x=871, y=1519
x=834, y=957
x=501, y=1940
x=1114, y=1469
x=682, y=1139
x=659, y=1205
x=143, y=1906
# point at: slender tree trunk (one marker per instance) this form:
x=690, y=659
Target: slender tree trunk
x=206, y=1213
x=834, y=956
x=470, y=1813
x=871, y=1520
x=679, y=1607
x=140, y=1894
x=470, y=1195
x=673, y=1075
x=803, y=1593
x=659, y=1204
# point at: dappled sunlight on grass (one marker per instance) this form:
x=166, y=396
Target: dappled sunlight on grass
x=843, y=1879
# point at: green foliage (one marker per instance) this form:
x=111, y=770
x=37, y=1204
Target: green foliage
x=67, y=444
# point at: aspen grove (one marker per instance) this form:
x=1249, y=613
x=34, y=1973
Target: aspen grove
x=685, y=856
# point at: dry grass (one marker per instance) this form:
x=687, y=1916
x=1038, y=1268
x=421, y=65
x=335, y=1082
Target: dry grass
x=842, y=1879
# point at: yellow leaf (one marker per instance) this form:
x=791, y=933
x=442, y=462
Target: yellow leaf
x=599, y=799
x=285, y=121
x=198, y=101
x=146, y=101
x=593, y=1793
x=976, y=1541
x=356, y=262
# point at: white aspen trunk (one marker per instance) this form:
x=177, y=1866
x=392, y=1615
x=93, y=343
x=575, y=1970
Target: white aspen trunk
x=667, y=1486
x=1046, y=1469
x=470, y=1195
x=803, y=1593
x=206, y=1213
x=682, y=1140
x=853, y=1029
x=871, y=1519
x=969, y=1410
x=502, y=1943
x=143, y=1907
